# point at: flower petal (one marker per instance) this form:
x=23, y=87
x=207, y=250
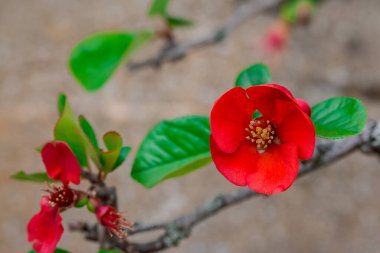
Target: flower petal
x=114, y=221
x=60, y=162
x=230, y=115
x=235, y=166
x=45, y=228
x=264, y=97
x=304, y=106
x=295, y=127
x=275, y=171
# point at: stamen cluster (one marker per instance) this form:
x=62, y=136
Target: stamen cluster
x=115, y=222
x=261, y=133
x=61, y=196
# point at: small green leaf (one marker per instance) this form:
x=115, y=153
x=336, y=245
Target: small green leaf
x=40, y=177
x=69, y=130
x=89, y=131
x=55, y=251
x=90, y=206
x=112, y=140
x=109, y=251
x=256, y=114
x=172, y=148
x=115, y=154
x=159, y=8
x=39, y=149
x=61, y=103
x=95, y=59
x=290, y=10
x=254, y=75
x=122, y=156
x=339, y=117
x=178, y=21
x=82, y=201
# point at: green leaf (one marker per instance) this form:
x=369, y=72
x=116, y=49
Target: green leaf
x=40, y=177
x=254, y=75
x=178, y=21
x=122, y=156
x=82, y=201
x=256, y=114
x=55, y=251
x=116, y=153
x=95, y=59
x=290, y=10
x=172, y=148
x=109, y=251
x=159, y=8
x=89, y=131
x=69, y=130
x=61, y=103
x=112, y=140
x=339, y=117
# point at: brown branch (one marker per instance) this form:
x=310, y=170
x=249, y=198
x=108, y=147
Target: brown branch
x=326, y=152
x=177, y=51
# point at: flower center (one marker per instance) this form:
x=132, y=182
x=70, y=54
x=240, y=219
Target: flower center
x=61, y=196
x=261, y=133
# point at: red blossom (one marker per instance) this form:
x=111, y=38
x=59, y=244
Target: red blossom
x=61, y=163
x=61, y=196
x=277, y=37
x=114, y=221
x=264, y=152
x=45, y=228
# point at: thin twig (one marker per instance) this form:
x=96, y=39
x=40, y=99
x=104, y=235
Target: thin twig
x=326, y=152
x=177, y=51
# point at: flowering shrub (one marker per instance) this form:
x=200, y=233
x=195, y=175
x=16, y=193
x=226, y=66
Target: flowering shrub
x=256, y=136
x=45, y=228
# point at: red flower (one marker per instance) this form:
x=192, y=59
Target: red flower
x=45, y=228
x=61, y=163
x=264, y=152
x=113, y=220
x=61, y=196
x=277, y=37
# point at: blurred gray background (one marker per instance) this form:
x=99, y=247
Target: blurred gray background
x=336, y=209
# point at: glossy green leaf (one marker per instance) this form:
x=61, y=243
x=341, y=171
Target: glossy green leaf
x=178, y=21
x=339, y=117
x=95, y=59
x=40, y=177
x=55, y=251
x=254, y=75
x=172, y=148
x=61, y=103
x=256, y=114
x=115, y=154
x=109, y=251
x=159, y=7
x=89, y=131
x=124, y=152
x=69, y=130
x=112, y=140
x=82, y=201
